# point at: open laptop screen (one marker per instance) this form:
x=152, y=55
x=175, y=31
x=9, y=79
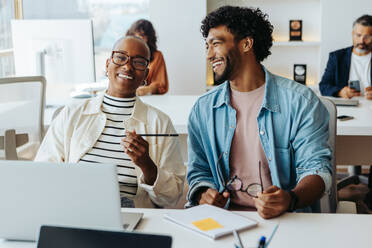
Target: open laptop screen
x=62, y=237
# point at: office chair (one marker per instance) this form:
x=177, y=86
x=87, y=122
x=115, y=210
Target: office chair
x=329, y=202
x=22, y=101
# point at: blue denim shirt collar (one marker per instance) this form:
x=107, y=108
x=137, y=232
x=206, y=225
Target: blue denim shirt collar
x=270, y=101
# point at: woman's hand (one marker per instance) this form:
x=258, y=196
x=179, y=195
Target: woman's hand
x=144, y=90
x=138, y=150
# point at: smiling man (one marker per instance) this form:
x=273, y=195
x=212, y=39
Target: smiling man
x=258, y=141
x=108, y=128
x=351, y=64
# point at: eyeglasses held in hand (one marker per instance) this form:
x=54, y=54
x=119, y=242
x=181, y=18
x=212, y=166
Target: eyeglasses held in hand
x=121, y=58
x=236, y=184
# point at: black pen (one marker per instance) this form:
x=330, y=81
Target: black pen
x=161, y=134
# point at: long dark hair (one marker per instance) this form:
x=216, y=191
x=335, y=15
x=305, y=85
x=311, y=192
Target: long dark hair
x=145, y=27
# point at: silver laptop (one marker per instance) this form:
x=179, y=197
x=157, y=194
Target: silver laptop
x=344, y=102
x=34, y=194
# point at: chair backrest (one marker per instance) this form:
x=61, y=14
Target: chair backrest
x=328, y=203
x=22, y=103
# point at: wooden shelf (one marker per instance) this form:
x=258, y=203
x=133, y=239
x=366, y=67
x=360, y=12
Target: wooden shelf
x=296, y=43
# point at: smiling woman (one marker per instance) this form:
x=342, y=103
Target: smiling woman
x=127, y=66
x=109, y=129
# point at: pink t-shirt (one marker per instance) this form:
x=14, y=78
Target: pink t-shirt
x=246, y=148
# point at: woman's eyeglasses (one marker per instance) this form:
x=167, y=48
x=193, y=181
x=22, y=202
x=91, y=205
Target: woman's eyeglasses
x=236, y=184
x=120, y=58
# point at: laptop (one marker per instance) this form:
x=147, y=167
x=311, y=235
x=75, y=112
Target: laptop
x=344, y=102
x=73, y=195
x=61, y=237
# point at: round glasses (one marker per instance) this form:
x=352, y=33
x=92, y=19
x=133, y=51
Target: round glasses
x=236, y=184
x=120, y=58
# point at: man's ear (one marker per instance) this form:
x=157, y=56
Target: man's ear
x=247, y=44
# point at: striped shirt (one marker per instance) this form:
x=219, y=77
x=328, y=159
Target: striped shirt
x=108, y=149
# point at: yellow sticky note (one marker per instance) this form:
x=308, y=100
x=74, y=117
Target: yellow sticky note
x=207, y=224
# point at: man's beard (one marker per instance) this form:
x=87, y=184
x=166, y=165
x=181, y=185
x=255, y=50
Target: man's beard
x=219, y=79
x=365, y=48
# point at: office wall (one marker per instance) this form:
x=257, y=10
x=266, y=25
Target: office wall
x=177, y=24
x=337, y=18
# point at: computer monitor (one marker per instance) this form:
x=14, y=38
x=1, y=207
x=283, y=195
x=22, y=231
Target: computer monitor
x=61, y=50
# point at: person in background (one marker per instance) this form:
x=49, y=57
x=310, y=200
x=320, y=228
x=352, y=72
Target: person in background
x=258, y=141
x=351, y=64
x=157, y=79
x=108, y=129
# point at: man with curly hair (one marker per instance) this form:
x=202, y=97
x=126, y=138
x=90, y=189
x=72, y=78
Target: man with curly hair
x=258, y=141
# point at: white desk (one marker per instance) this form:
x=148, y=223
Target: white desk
x=354, y=137
x=295, y=230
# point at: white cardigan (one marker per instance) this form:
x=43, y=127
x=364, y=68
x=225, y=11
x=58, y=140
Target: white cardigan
x=77, y=128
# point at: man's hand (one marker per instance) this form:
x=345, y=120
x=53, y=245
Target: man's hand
x=272, y=202
x=138, y=150
x=348, y=92
x=213, y=197
x=368, y=93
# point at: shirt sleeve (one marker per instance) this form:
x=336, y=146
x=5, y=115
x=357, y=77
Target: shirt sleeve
x=199, y=174
x=327, y=85
x=52, y=148
x=158, y=74
x=310, y=143
x=168, y=186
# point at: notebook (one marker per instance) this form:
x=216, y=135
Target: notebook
x=211, y=221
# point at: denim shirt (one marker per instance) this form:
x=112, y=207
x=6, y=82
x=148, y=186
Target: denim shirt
x=293, y=129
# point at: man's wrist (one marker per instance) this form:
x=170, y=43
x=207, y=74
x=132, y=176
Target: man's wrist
x=293, y=202
x=199, y=192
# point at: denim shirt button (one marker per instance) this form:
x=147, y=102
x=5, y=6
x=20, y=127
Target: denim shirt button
x=225, y=153
x=231, y=126
x=262, y=132
x=269, y=158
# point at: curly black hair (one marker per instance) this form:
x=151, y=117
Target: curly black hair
x=243, y=22
x=145, y=27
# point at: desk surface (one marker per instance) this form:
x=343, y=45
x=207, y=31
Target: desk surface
x=178, y=107
x=354, y=137
x=295, y=230
x=361, y=125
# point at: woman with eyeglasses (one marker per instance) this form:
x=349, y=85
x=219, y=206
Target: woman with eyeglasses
x=157, y=78
x=117, y=127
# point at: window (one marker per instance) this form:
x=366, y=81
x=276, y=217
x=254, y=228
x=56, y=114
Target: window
x=6, y=54
x=111, y=19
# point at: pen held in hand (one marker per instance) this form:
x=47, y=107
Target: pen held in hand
x=157, y=135
x=160, y=134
